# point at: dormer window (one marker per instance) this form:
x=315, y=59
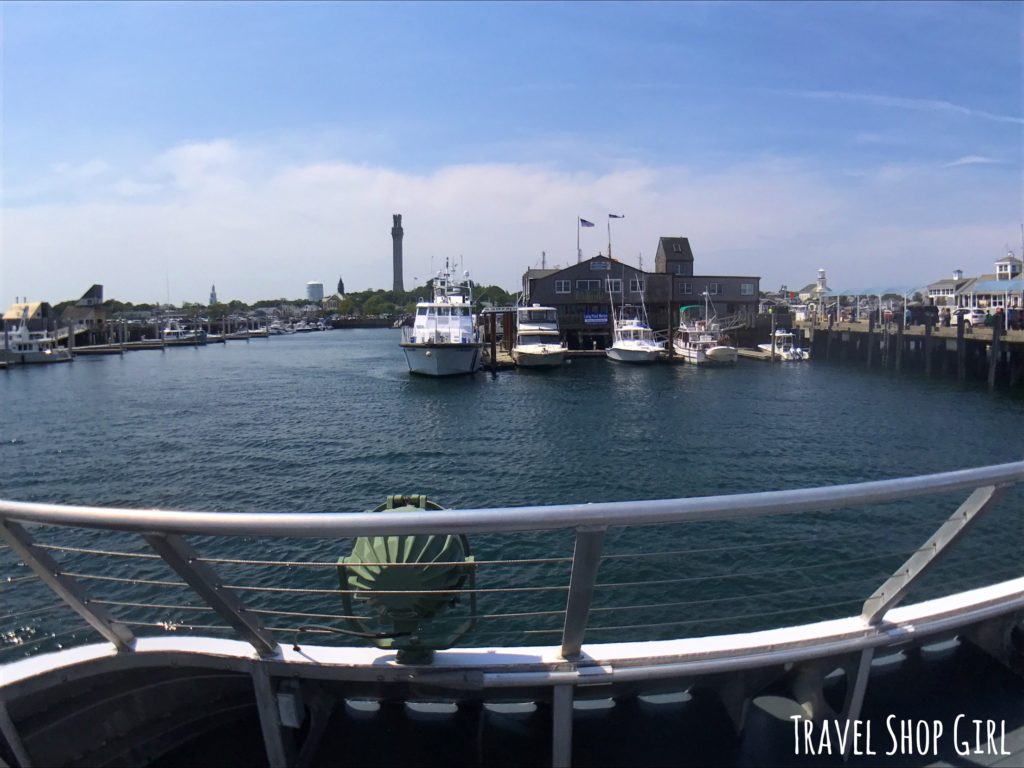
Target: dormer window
x=677, y=247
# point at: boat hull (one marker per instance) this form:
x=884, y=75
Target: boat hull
x=710, y=356
x=635, y=355
x=442, y=359
x=38, y=357
x=789, y=355
x=527, y=358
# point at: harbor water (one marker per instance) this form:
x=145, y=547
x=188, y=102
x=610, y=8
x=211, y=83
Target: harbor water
x=333, y=422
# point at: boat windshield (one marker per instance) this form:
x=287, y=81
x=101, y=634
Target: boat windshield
x=538, y=316
x=537, y=338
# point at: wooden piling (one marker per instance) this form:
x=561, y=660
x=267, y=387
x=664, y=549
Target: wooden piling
x=996, y=353
x=492, y=329
x=961, y=354
x=928, y=346
x=871, y=339
x=899, y=344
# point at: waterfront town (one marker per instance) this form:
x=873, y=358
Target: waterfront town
x=584, y=295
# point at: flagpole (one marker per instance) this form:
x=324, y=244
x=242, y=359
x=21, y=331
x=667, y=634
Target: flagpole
x=609, y=236
x=579, y=253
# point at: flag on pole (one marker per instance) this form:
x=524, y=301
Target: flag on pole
x=585, y=223
x=616, y=216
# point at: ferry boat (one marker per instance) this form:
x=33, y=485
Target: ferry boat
x=701, y=342
x=785, y=347
x=443, y=340
x=23, y=346
x=538, y=343
x=207, y=658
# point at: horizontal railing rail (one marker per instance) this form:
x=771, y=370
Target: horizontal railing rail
x=512, y=519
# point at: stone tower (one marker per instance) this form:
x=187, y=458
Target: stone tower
x=396, y=250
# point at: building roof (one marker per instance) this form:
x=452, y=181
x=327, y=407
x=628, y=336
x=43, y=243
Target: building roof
x=16, y=311
x=949, y=282
x=998, y=286
x=536, y=274
x=92, y=297
x=1009, y=259
x=666, y=244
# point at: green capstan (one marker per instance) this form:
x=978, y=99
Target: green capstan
x=394, y=587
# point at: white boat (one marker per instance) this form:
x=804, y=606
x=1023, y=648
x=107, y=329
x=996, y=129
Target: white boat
x=784, y=348
x=175, y=333
x=538, y=344
x=701, y=342
x=632, y=338
x=443, y=340
x=24, y=346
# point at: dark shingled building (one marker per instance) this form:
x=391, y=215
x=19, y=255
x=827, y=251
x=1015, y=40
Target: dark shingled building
x=581, y=292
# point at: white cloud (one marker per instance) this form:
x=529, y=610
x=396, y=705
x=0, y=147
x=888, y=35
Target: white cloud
x=261, y=227
x=972, y=160
x=929, y=105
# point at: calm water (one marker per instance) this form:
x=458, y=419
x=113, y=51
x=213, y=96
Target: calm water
x=334, y=422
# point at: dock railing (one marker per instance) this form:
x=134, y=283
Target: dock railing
x=58, y=542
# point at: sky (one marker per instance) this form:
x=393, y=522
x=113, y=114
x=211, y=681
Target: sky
x=161, y=148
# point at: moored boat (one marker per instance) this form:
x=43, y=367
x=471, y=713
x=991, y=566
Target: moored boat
x=443, y=340
x=632, y=338
x=784, y=347
x=701, y=341
x=538, y=343
x=24, y=346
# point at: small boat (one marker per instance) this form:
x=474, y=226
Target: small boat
x=701, y=342
x=23, y=346
x=175, y=333
x=443, y=340
x=632, y=338
x=784, y=347
x=538, y=344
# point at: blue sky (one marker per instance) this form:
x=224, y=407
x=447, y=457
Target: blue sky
x=258, y=146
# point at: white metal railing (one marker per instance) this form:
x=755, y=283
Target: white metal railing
x=163, y=531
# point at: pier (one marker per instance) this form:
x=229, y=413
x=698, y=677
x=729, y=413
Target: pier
x=992, y=354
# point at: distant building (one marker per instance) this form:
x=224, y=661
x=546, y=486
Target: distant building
x=314, y=291
x=213, y=295
x=40, y=314
x=87, y=311
x=581, y=292
x=341, y=287
x=1002, y=288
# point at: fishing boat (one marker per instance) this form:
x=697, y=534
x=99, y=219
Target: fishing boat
x=25, y=346
x=443, y=340
x=784, y=347
x=538, y=343
x=632, y=338
x=174, y=333
x=701, y=341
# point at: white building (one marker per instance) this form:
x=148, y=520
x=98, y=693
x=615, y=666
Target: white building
x=314, y=291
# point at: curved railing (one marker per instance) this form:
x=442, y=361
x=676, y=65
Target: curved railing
x=154, y=580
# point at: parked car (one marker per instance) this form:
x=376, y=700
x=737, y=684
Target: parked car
x=969, y=316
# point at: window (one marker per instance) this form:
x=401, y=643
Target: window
x=563, y=286
x=746, y=289
x=614, y=285
x=680, y=269
x=586, y=286
x=685, y=289
x=636, y=286
x=714, y=288
x=677, y=247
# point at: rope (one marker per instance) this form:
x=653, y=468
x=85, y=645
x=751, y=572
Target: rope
x=122, y=580
x=106, y=552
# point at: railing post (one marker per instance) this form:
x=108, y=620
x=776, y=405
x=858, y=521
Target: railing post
x=896, y=586
x=184, y=560
x=586, y=558
x=67, y=589
x=561, y=726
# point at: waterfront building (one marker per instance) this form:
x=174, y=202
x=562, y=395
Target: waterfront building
x=88, y=311
x=40, y=314
x=583, y=292
x=1002, y=288
x=314, y=291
